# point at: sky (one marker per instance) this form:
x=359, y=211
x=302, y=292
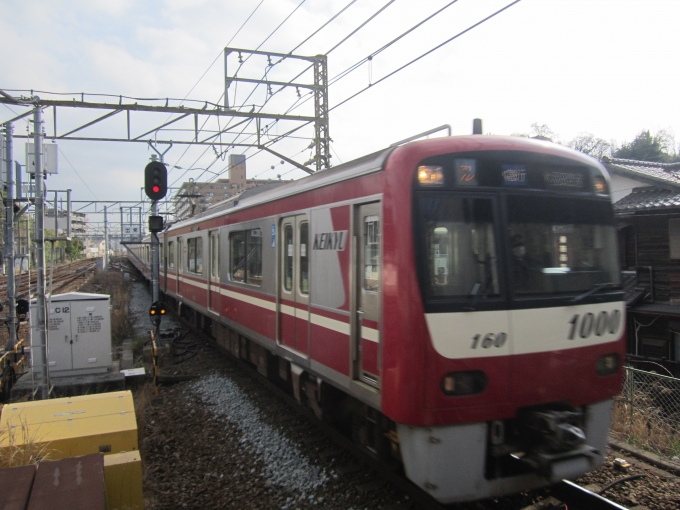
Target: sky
x=598, y=66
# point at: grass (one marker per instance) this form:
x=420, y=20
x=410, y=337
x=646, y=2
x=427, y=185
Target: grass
x=646, y=426
x=21, y=446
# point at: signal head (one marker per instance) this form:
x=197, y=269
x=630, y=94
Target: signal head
x=155, y=180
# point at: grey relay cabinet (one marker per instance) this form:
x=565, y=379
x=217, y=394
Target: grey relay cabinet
x=79, y=335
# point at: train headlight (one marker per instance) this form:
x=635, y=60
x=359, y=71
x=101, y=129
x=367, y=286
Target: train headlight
x=431, y=175
x=456, y=384
x=600, y=185
x=607, y=364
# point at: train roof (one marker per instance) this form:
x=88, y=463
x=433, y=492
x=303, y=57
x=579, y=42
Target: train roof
x=254, y=196
x=374, y=162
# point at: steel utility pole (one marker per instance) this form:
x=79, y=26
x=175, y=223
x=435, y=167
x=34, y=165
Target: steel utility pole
x=9, y=239
x=106, y=239
x=155, y=248
x=40, y=327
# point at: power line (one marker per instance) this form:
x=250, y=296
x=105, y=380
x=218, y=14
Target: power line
x=76, y=171
x=428, y=52
x=393, y=41
x=358, y=64
x=305, y=40
x=259, y=46
x=210, y=67
x=401, y=68
x=361, y=26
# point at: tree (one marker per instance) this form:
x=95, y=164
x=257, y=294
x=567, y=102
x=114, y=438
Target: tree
x=74, y=249
x=648, y=147
x=539, y=131
x=589, y=144
x=542, y=132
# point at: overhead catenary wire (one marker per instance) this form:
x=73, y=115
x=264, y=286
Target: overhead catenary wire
x=76, y=171
x=370, y=57
x=308, y=38
x=305, y=70
x=363, y=24
x=300, y=44
x=459, y=34
x=471, y=27
x=258, y=47
x=210, y=67
x=423, y=55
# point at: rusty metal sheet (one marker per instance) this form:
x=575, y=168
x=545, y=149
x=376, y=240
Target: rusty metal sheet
x=75, y=483
x=15, y=487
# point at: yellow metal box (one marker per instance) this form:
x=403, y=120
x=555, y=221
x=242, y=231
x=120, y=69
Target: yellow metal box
x=70, y=427
x=123, y=477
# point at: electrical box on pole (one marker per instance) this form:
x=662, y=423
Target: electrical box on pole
x=156, y=224
x=155, y=180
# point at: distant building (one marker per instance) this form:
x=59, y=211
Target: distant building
x=78, y=222
x=196, y=197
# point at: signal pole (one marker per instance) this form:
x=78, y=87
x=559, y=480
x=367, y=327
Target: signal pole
x=39, y=240
x=156, y=187
x=9, y=239
x=155, y=258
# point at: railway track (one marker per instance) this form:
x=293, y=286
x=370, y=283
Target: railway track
x=63, y=276
x=561, y=496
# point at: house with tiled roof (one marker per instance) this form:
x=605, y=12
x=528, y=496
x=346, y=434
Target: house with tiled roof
x=647, y=206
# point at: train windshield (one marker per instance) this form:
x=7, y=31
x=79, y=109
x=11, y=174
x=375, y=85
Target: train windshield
x=560, y=245
x=462, y=247
x=554, y=246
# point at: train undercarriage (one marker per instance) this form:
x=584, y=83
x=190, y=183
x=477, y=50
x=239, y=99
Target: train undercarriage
x=541, y=445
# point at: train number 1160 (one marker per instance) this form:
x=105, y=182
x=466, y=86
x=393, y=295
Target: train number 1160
x=587, y=324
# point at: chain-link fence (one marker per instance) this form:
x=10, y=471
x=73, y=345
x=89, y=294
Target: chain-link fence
x=647, y=413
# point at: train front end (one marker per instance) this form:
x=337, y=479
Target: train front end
x=518, y=333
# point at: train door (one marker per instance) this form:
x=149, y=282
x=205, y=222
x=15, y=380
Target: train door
x=180, y=248
x=294, y=309
x=368, y=269
x=214, y=271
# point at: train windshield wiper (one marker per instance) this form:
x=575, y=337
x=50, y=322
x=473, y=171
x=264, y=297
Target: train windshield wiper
x=474, y=297
x=593, y=290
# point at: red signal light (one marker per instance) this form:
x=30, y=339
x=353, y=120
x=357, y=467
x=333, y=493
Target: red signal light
x=156, y=188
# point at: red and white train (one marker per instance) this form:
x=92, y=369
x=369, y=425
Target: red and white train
x=453, y=302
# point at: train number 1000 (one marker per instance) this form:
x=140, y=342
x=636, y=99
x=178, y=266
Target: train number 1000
x=588, y=323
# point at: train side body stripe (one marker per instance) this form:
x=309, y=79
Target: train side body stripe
x=332, y=324
x=262, y=303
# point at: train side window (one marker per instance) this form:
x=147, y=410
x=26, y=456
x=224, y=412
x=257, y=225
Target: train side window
x=171, y=254
x=304, y=261
x=215, y=256
x=288, y=257
x=372, y=253
x=195, y=255
x=237, y=243
x=254, y=257
x=246, y=256
x=161, y=251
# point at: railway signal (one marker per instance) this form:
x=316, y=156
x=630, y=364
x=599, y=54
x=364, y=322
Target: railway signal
x=155, y=180
x=157, y=311
x=156, y=223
